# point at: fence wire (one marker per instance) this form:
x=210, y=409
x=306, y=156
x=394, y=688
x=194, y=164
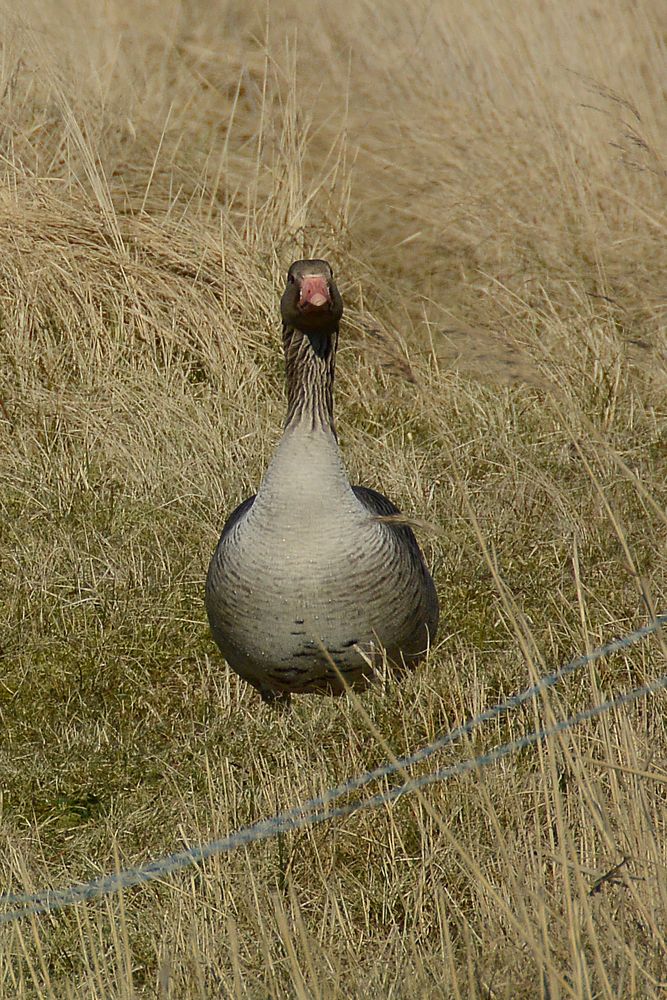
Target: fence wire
x=314, y=811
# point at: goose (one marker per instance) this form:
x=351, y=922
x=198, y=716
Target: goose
x=312, y=578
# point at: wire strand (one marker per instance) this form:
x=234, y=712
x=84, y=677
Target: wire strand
x=314, y=811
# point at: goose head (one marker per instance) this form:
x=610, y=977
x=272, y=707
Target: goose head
x=311, y=302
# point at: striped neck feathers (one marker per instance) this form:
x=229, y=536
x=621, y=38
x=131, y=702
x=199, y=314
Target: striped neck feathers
x=310, y=361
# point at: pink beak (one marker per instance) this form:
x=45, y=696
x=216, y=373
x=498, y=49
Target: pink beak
x=314, y=292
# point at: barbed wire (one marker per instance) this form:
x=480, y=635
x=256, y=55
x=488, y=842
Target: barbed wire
x=313, y=811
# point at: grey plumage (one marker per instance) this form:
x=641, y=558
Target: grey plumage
x=308, y=564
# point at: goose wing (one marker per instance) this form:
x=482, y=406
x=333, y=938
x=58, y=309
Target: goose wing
x=237, y=514
x=381, y=506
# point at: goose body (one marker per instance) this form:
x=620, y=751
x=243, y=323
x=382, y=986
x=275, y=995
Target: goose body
x=306, y=573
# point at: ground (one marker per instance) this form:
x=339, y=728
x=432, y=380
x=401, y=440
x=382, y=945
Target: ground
x=488, y=181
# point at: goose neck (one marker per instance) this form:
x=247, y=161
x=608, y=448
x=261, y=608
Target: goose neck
x=310, y=361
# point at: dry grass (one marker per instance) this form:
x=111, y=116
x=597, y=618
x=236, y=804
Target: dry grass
x=489, y=183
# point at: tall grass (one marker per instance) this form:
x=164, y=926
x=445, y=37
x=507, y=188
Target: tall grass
x=489, y=183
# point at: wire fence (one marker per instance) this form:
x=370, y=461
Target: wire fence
x=315, y=811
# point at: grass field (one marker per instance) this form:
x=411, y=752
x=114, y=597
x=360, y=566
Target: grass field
x=489, y=181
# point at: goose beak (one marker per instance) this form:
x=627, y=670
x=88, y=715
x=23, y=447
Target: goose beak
x=314, y=292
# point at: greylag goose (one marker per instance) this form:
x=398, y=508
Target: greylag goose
x=311, y=571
